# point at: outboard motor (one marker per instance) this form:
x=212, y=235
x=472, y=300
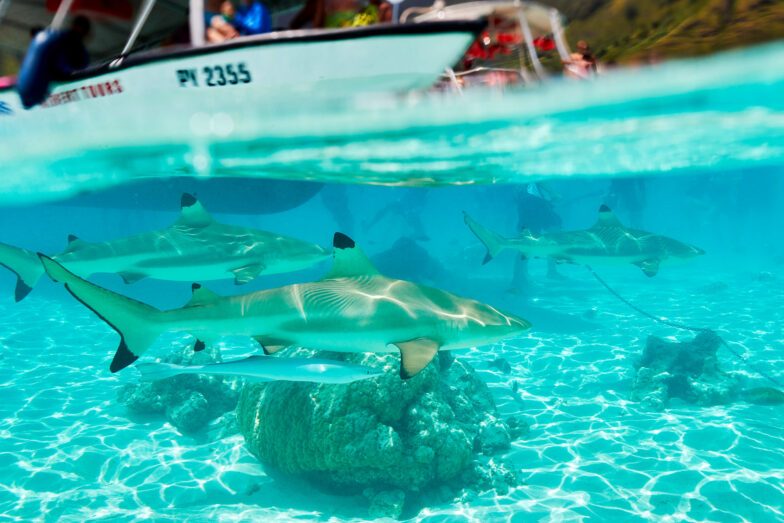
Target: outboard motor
x=38, y=67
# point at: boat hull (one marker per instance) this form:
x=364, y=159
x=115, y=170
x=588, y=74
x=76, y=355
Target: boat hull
x=196, y=98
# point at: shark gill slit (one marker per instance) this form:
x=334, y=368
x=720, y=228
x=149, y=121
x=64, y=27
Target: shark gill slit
x=683, y=326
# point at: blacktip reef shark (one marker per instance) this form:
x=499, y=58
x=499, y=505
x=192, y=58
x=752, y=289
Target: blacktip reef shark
x=267, y=368
x=606, y=243
x=352, y=309
x=195, y=247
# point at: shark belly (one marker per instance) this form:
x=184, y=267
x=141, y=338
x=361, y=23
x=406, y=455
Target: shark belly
x=86, y=267
x=183, y=271
x=602, y=259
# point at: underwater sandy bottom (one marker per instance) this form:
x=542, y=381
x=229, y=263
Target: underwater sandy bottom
x=69, y=451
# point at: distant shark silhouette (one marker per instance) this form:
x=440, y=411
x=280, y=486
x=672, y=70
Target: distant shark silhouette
x=352, y=309
x=606, y=243
x=195, y=247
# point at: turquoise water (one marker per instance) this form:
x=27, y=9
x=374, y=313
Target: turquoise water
x=713, y=114
x=71, y=451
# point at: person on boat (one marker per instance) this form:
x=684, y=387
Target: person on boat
x=220, y=26
x=582, y=64
x=71, y=54
x=535, y=212
x=253, y=18
x=332, y=14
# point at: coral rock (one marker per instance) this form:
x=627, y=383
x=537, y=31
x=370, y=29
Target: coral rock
x=189, y=401
x=688, y=371
x=387, y=503
x=388, y=434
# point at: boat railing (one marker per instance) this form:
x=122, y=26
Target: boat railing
x=440, y=10
x=144, y=14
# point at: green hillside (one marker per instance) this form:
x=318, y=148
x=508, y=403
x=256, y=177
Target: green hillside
x=624, y=30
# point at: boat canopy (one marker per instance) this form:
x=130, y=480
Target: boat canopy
x=537, y=15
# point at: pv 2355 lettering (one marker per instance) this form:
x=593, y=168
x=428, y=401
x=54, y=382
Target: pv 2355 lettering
x=215, y=75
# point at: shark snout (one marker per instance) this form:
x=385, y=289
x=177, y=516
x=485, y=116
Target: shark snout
x=516, y=325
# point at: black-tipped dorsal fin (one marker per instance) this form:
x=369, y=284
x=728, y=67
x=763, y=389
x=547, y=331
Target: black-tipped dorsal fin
x=607, y=217
x=201, y=296
x=74, y=242
x=349, y=259
x=193, y=213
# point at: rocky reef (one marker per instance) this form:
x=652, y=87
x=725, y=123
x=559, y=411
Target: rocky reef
x=189, y=401
x=687, y=370
x=396, y=441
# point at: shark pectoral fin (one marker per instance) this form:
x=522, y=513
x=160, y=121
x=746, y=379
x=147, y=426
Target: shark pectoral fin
x=271, y=345
x=415, y=355
x=131, y=277
x=21, y=290
x=246, y=274
x=201, y=296
x=649, y=267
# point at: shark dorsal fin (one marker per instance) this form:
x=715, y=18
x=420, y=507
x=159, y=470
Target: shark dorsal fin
x=525, y=232
x=201, y=296
x=193, y=213
x=607, y=218
x=74, y=242
x=349, y=259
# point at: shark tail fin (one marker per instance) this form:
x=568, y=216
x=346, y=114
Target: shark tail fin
x=494, y=242
x=25, y=265
x=159, y=371
x=138, y=324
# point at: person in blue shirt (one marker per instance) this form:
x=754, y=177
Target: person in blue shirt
x=253, y=18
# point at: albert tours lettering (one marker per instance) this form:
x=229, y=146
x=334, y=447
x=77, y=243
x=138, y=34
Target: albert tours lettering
x=85, y=92
x=5, y=108
x=215, y=75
